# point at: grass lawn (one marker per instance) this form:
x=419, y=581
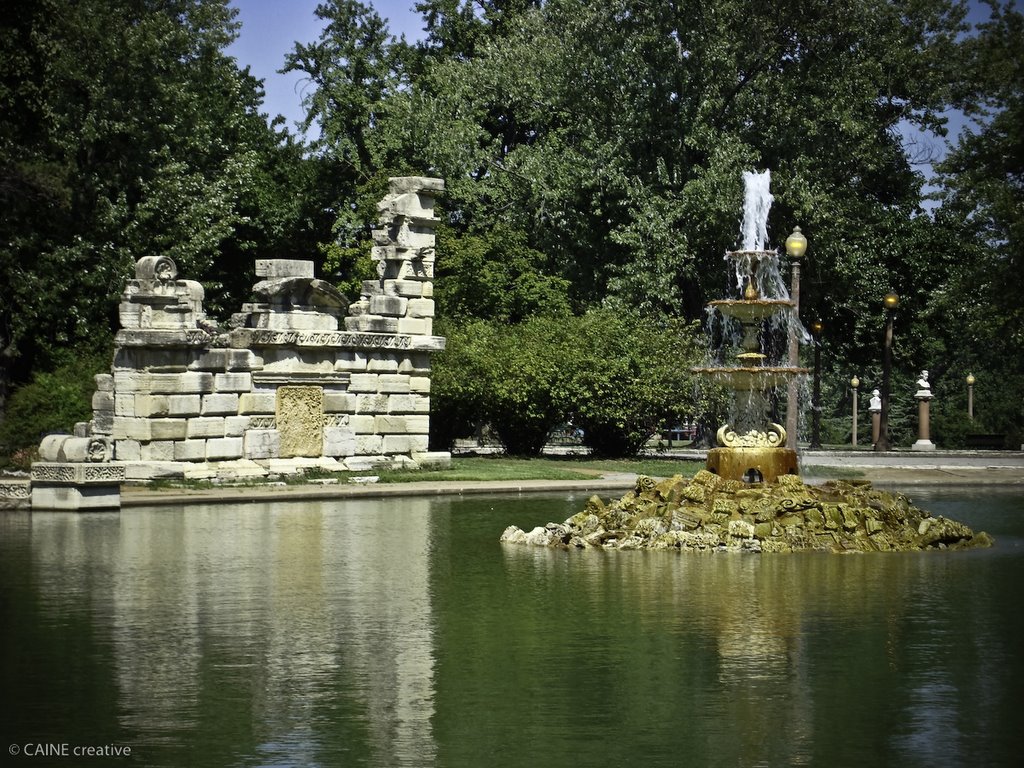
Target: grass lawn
x=568, y=468
x=484, y=468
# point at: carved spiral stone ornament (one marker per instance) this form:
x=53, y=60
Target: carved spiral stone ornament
x=160, y=268
x=773, y=437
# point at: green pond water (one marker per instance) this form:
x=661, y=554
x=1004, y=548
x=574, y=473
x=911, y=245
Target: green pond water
x=400, y=632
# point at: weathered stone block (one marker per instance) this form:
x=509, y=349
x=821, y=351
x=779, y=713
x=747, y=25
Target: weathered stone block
x=146, y=406
x=393, y=383
x=131, y=381
x=339, y=441
x=408, y=404
x=190, y=450
x=339, y=402
x=414, y=326
x=183, y=405
x=364, y=382
x=262, y=444
x=376, y=403
x=189, y=382
x=361, y=424
x=168, y=429
x=419, y=384
x=102, y=423
x=395, y=444
x=220, y=404
x=367, y=445
x=350, y=361
x=388, y=305
x=104, y=382
x=257, y=402
x=417, y=425
x=127, y=450
x=390, y=425
x=103, y=401
x=380, y=363
x=224, y=448
x=415, y=363
x=418, y=444
x=420, y=308
x=158, y=450
x=410, y=289
x=205, y=427
x=235, y=426
x=271, y=268
x=232, y=382
x=372, y=324
x=127, y=427
x=124, y=404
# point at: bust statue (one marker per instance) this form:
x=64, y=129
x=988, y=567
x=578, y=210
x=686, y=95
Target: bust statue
x=876, y=401
x=924, y=389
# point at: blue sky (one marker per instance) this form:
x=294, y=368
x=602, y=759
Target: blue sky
x=270, y=29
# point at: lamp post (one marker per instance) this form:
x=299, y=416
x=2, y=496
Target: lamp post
x=816, y=328
x=796, y=247
x=970, y=396
x=854, y=383
x=891, y=301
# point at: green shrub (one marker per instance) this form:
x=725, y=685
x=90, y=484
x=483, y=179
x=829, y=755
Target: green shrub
x=51, y=402
x=617, y=377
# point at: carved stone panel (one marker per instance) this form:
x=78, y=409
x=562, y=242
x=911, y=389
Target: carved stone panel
x=300, y=421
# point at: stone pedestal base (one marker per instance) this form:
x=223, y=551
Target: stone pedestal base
x=15, y=493
x=752, y=464
x=76, y=487
x=924, y=442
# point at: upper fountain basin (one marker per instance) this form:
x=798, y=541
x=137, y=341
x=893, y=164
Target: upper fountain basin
x=757, y=378
x=748, y=310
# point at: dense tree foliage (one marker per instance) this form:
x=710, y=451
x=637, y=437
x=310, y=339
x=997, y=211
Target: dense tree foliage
x=125, y=130
x=593, y=156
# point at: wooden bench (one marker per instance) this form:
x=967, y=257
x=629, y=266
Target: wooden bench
x=986, y=442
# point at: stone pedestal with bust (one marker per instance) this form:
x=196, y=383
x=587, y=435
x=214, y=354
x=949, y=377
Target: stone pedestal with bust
x=924, y=396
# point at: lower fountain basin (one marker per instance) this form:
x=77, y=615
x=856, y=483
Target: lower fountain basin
x=754, y=463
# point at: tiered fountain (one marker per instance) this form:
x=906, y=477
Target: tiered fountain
x=752, y=448
x=716, y=510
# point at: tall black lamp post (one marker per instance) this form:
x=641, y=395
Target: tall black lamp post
x=891, y=301
x=816, y=328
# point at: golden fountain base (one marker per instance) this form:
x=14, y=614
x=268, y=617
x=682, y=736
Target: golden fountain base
x=752, y=464
x=756, y=457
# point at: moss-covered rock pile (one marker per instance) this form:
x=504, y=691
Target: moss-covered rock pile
x=707, y=513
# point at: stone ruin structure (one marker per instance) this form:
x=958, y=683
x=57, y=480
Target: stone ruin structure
x=299, y=379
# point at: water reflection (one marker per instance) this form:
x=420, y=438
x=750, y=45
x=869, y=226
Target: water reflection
x=270, y=616
x=811, y=653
